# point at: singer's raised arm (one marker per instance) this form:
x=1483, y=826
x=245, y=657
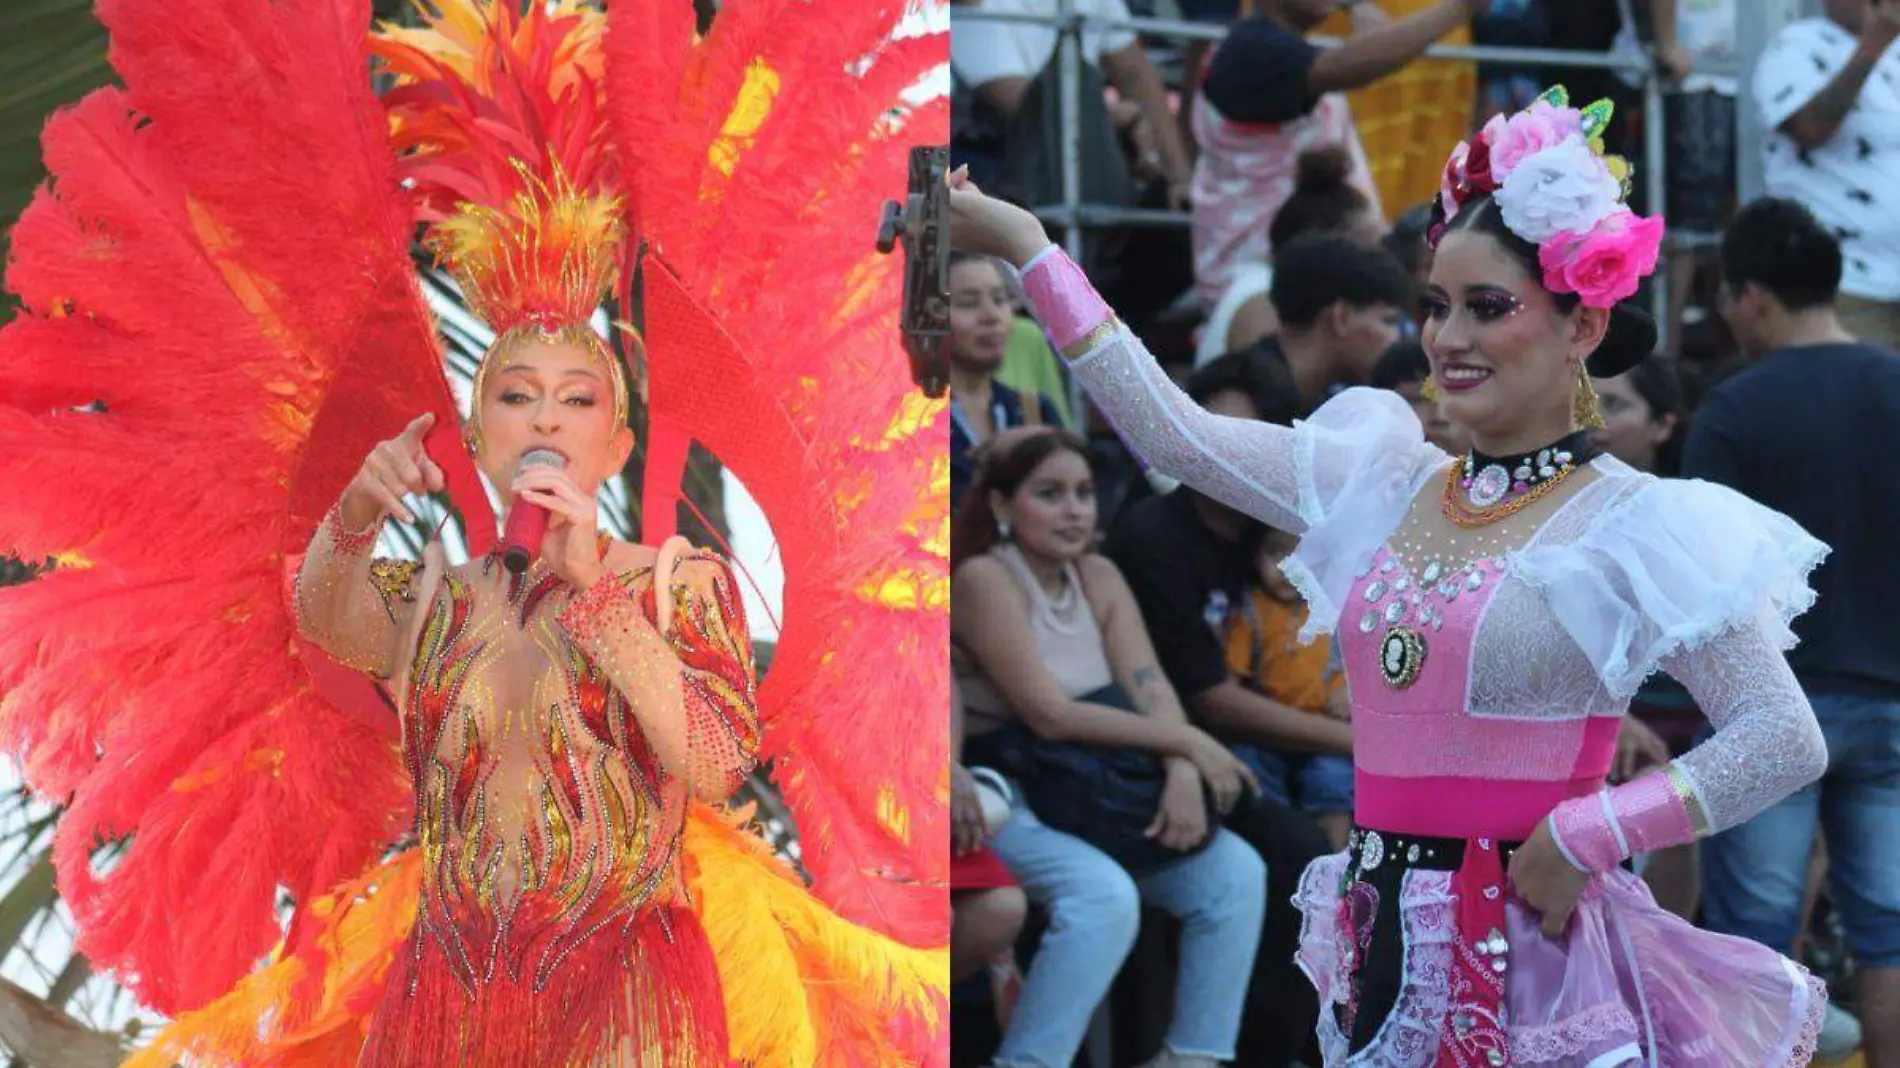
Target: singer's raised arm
x=350, y=603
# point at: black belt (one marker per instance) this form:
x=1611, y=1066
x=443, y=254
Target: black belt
x=1368, y=850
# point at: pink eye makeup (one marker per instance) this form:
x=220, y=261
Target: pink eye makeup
x=1489, y=307
x=1486, y=306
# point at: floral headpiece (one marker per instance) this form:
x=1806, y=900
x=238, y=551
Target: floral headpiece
x=1557, y=189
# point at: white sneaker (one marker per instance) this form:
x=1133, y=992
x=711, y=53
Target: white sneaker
x=1840, y=1035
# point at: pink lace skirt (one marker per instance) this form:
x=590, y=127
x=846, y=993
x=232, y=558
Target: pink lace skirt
x=1627, y=984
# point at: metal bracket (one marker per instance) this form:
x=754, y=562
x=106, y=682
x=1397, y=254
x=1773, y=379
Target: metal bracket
x=922, y=224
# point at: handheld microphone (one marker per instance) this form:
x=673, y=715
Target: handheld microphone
x=527, y=521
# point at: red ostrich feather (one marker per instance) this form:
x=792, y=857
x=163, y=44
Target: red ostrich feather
x=772, y=334
x=220, y=263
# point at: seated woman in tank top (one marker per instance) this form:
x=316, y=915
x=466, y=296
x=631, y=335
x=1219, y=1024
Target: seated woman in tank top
x=1052, y=657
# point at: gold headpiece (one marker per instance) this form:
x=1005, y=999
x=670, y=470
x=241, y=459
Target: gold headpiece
x=537, y=269
x=511, y=167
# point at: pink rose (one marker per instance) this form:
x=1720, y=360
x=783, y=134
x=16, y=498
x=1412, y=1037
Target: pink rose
x=1449, y=181
x=1535, y=128
x=1493, y=129
x=1604, y=265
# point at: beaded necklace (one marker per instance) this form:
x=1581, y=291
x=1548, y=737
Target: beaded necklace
x=1482, y=489
x=1409, y=597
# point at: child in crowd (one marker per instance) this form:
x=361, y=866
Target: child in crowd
x=1263, y=650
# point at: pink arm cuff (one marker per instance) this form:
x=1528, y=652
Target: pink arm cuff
x=1067, y=304
x=1598, y=832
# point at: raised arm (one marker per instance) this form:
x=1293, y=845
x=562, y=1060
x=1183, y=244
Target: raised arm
x=1289, y=478
x=1766, y=746
x=1245, y=463
x=349, y=603
x=692, y=690
x=1796, y=93
x=1383, y=48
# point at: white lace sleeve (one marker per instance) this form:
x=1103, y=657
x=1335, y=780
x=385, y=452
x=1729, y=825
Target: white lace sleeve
x=1244, y=463
x=1291, y=479
x=1766, y=744
x=1670, y=567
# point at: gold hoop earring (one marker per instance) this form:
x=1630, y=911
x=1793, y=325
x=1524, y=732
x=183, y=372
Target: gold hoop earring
x=1586, y=411
x=1429, y=389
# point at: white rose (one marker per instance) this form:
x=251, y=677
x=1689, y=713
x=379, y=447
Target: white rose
x=1565, y=187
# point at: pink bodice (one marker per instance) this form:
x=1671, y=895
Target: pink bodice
x=1425, y=764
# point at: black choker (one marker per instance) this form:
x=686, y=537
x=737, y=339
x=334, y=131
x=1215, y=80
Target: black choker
x=1489, y=480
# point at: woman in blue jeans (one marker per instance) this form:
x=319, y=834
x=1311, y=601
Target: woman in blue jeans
x=1049, y=643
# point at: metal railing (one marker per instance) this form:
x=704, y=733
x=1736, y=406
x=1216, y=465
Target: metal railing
x=1076, y=216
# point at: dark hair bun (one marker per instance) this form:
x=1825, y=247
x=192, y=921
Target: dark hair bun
x=1322, y=169
x=1629, y=340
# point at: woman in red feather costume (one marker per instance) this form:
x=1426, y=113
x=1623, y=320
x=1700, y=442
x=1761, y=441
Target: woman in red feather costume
x=221, y=265
x=555, y=721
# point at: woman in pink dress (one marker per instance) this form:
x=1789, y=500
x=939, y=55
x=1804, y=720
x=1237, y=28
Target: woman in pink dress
x=1496, y=611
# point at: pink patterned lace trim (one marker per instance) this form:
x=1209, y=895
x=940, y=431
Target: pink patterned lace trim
x=1587, y=833
x=1428, y=914
x=1410, y=1036
x=1810, y=1037
x=1651, y=813
x=1576, y=1035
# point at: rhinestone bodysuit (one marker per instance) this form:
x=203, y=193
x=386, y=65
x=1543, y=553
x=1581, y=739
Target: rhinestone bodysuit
x=532, y=720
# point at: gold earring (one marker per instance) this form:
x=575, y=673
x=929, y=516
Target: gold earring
x=1586, y=411
x=1429, y=390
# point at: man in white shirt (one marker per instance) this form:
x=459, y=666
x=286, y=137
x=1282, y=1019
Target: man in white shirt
x=999, y=61
x=1829, y=90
